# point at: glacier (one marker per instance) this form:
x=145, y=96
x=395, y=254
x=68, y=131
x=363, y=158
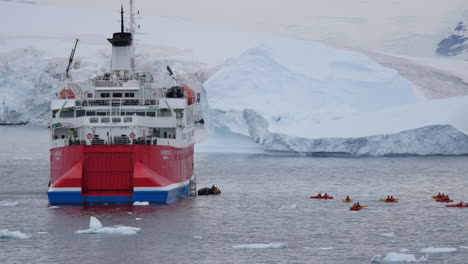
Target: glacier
x=304, y=97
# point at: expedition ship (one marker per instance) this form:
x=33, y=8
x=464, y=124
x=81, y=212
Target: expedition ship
x=125, y=139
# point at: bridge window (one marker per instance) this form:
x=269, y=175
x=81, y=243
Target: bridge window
x=127, y=119
x=117, y=95
x=105, y=120
x=67, y=113
x=151, y=113
x=116, y=120
x=105, y=95
x=90, y=113
x=93, y=120
x=80, y=113
x=130, y=95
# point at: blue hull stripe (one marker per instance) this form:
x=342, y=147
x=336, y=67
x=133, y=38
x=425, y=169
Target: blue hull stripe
x=165, y=197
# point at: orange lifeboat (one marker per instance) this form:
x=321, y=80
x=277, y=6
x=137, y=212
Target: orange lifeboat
x=67, y=94
x=190, y=95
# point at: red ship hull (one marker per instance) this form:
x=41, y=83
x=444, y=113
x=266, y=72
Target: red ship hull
x=119, y=173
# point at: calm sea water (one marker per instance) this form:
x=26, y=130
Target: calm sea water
x=264, y=200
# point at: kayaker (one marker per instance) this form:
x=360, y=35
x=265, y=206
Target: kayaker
x=326, y=195
x=319, y=195
x=461, y=203
x=358, y=205
x=347, y=198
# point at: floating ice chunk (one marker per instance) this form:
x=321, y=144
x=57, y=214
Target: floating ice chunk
x=464, y=247
x=423, y=258
x=94, y=223
x=198, y=237
x=54, y=207
x=397, y=257
x=432, y=250
x=130, y=213
x=119, y=230
x=261, y=246
x=293, y=206
x=141, y=203
x=5, y=233
x=138, y=219
x=326, y=248
x=42, y=233
x=388, y=234
x=376, y=259
x=95, y=227
x=8, y=203
x=405, y=250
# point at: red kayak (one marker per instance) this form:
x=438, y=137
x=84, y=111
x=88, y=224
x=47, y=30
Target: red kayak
x=456, y=205
x=444, y=201
x=353, y=208
x=321, y=198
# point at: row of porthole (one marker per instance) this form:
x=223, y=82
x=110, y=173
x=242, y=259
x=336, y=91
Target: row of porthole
x=108, y=120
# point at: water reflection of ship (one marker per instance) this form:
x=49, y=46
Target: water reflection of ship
x=8, y=116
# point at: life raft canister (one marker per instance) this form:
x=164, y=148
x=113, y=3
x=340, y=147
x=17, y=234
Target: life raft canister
x=89, y=136
x=190, y=95
x=132, y=135
x=67, y=94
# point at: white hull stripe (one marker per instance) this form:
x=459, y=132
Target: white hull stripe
x=164, y=188
x=68, y=189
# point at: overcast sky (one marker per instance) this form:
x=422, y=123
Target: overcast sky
x=368, y=23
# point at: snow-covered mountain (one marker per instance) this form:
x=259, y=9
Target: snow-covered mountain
x=455, y=43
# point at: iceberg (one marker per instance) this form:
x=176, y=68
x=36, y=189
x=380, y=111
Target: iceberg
x=95, y=227
x=432, y=250
x=5, y=233
x=261, y=246
x=304, y=97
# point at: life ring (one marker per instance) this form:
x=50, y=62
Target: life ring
x=89, y=136
x=132, y=135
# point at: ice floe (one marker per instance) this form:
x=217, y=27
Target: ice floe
x=95, y=227
x=388, y=234
x=293, y=206
x=8, y=203
x=138, y=219
x=198, y=237
x=432, y=250
x=376, y=259
x=326, y=248
x=398, y=257
x=141, y=203
x=42, y=233
x=5, y=233
x=262, y=246
x=464, y=247
x=54, y=207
